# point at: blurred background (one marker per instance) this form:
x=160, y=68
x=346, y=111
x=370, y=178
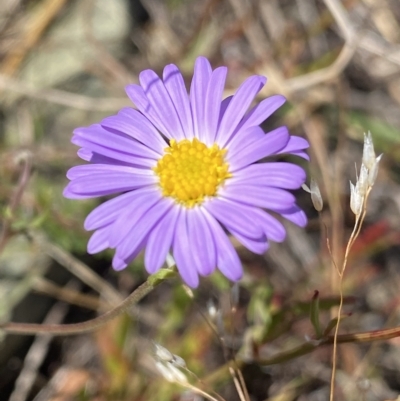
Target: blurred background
x=64, y=64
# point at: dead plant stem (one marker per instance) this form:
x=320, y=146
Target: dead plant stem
x=93, y=324
x=356, y=231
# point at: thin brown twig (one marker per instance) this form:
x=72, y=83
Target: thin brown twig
x=308, y=347
x=242, y=391
x=203, y=385
x=69, y=295
x=367, y=39
x=92, y=324
x=62, y=97
x=324, y=74
x=198, y=391
x=37, y=352
x=356, y=230
x=78, y=268
x=33, y=29
x=26, y=159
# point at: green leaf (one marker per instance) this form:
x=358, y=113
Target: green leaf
x=161, y=275
x=332, y=324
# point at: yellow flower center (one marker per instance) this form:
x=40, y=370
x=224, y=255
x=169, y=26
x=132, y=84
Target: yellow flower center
x=191, y=171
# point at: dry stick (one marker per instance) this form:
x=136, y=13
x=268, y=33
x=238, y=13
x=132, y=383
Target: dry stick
x=241, y=390
x=62, y=97
x=16, y=199
x=242, y=384
x=37, y=353
x=73, y=297
x=34, y=28
x=79, y=269
x=220, y=398
x=368, y=40
x=215, y=332
x=308, y=347
x=324, y=74
x=198, y=391
x=93, y=324
x=353, y=39
x=356, y=231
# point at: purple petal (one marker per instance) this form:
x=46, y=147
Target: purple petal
x=99, y=240
x=160, y=100
x=106, y=183
x=300, y=153
x=118, y=263
x=242, y=139
x=227, y=259
x=89, y=169
x=182, y=252
x=134, y=124
x=295, y=146
x=160, y=240
x=201, y=240
x=85, y=154
x=127, y=219
x=238, y=107
x=120, y=147
x=262, y=111
x=295, y=215
x=272, y=143
x=234, y=215
x=198, y=91
x=213, y=103
x=140, y=230
x=175, y=86
x=258, y=224
x=139, y=98
x=274, y=174
x=273, y=228
x=258, y=246
x=223, y=107
x=95, y=158
x=265, y=197
x=108, y=211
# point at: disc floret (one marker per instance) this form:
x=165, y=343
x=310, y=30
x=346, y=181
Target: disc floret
x=190, y=171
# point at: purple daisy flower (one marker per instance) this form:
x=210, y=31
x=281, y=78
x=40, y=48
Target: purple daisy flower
x=187, y=169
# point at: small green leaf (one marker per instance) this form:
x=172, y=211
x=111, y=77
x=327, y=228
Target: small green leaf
x=332, y=324
x=161, y=275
